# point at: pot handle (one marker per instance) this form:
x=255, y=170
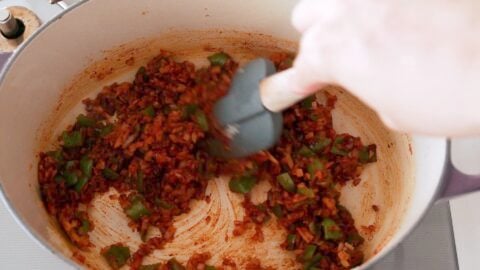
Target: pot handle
x=455, y=182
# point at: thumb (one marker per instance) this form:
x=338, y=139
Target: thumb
x=286, y=88
x=325, y=54
x=306, y=77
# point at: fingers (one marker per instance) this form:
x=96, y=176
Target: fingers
x=325, y=54
x=311, y=62
x=309, y=12
x=286, y=88
x=395, y=65
x=308, y=74
x=334, y=49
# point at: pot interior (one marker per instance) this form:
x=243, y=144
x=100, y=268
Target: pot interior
x=384, y=183
x=49, y=92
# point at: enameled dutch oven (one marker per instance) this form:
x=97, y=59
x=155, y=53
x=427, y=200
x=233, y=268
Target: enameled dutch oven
x=93, y=44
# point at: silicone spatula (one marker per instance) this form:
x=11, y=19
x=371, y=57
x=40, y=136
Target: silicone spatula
x=250, y=114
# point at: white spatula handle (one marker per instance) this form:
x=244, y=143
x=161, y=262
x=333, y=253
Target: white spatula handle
x=284, y=89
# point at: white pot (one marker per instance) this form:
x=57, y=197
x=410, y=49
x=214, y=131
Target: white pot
x=44, y=81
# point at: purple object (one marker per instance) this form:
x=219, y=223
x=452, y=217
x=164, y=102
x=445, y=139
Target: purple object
x=455, y=182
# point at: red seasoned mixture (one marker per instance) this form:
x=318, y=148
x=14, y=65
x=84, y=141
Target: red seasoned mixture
x=152, y=140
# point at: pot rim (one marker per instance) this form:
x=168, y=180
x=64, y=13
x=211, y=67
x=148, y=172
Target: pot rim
x=3, y=196
x=435, y=197
x=43, y=243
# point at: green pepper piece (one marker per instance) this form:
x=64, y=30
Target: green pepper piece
x=307, y=192
x=150, y=267
x=201, y=120
x=315, y=166
x=215, y=147
x=242, y=184
x=307, y=103
x=261, y=207
x=140, y=183
x=210, y=267
x=142, y=70
x=310, y=265
x=59, y=178
x=331, y=231
x=321, y=144
x=82, y=181
x=303, y=203
x=173, y=264
x=313, y=227
x=117, y=255
x=218, y=59
x=86, y=165
x=163, y=204
x=69, y=165
x=107, y=129
x=363, y=155
x=149, y=111
x=57, y=155
x=336, y=147
x=144, y=233
x=309, y=252
x=72, y=139
x=368, y=154
x=277, y=211
x=110, y=174
x=137, y=210
x=138, y=129
x=189, y=110
x=85, y=121
x=166, y=109
x=286, y=182
x=355, y=239
x=306, y=152
x=71, y=178
x=291, y=239
x=313, y=117
x=85, y=227
x=328, y=180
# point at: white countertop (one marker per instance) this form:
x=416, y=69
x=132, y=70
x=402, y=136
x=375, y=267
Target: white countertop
x=466, y=227
x=19, y=251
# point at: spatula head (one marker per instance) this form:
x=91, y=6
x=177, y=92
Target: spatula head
x=244, y=120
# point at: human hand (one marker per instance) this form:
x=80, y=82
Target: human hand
x=416, y=63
